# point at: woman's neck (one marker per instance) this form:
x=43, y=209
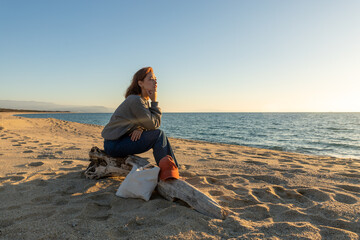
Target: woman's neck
x=146, y=97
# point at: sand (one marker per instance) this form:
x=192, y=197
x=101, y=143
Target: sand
x=270, y=194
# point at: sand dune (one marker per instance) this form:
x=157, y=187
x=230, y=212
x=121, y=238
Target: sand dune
x=270, y=194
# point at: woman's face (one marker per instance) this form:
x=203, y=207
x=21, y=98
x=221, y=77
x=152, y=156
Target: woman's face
x=149, y=83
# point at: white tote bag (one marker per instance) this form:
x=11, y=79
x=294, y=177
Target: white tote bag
x=139, y=183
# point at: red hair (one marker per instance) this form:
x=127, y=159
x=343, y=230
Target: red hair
x=134, y=88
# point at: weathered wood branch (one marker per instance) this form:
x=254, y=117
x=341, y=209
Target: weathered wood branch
x=179, y=189
x=103, y=165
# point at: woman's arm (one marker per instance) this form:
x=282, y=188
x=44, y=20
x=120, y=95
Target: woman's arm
x=148, y=118
x=136, y=134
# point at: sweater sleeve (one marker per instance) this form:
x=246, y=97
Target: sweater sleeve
x=148, y=118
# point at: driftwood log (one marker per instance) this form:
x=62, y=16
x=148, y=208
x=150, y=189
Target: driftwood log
x=102, y=165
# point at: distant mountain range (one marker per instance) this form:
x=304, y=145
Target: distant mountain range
x=45, y=106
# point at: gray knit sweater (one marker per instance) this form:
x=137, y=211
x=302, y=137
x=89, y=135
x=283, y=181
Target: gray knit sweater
x=133, y=113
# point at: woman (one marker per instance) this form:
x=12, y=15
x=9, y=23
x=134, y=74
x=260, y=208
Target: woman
x=133, y=128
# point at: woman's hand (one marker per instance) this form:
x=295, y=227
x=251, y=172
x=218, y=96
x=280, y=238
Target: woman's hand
x=152, y=94
x=136, y=134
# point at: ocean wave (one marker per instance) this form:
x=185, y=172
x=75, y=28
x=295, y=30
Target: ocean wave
x=315, y=133
x=338, y=129
x=343, y=145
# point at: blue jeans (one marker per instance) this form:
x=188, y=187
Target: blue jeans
x=155, y=139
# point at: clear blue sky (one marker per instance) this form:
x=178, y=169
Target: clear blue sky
x=208, y=55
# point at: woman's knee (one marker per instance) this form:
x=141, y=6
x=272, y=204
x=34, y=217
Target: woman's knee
x=161, y=132
x=158, y=133
x=162, y=135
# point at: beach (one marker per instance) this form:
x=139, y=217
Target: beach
x=269, y=194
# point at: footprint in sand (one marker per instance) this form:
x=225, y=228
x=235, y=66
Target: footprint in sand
x=30, y=147
x=350, y=175
x=237, y=189
x=215, y=169
x=49, y=174
x=17, y=145
x=320, y=210
x=46, y=155
x=187, y=173
x=254, y=213
x=220, y=154
x=255, y=162
x=72, y=148
x=16, y=178
x=47, y=143
x=288, y=175
x=289, y=194
x=296, y=166
x=303, y=162
x=293, y=215
x=336, y=233
x=233, y=152
x=327, y=190
x=216, y=193
x=35, y=164
x=350, y=188
x=345, y=198
x=28, y=151
x=248, y=153
x=285, y=160
x=259, y=157
x=279, y=169
x=79, y=167
x=213, y=180
x=314, y=194
x=297, y=170
x=239, y=178
x=198, y=180
x=265, y=195
x=203, y=160
x=207, y=152
x=59, y=152
x=12, y=178
x=185, y=167
x=268, y=179
x=67, y=162
x=218, y=159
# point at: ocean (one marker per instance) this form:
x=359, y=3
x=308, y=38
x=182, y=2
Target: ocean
x=329, y=134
